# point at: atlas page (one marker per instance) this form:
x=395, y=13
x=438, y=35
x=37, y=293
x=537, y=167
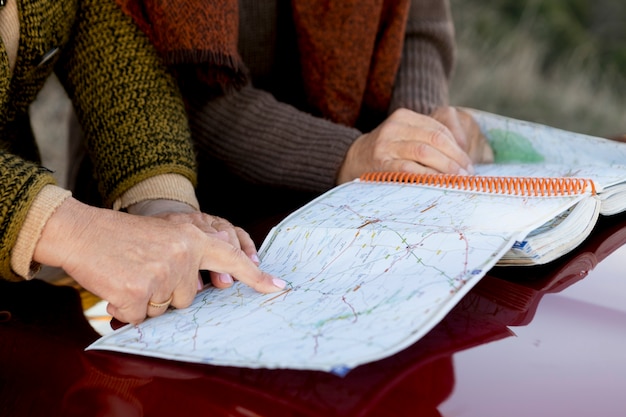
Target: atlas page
x=523, y=148
x=370, y=267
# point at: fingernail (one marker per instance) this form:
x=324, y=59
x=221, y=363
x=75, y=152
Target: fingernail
x=463, y=172
x=255, y=258
x=225, y=278
x=200, y=284
x=279, y=283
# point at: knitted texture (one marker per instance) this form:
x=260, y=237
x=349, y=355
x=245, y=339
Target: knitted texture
x=349, y=51
x=21, y=181
x=196, y=32
x=300, y=153
x=130, y=110
x=129, y=107
x=428, y=58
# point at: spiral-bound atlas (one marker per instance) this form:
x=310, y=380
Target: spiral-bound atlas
x=373, y=264
x=521, y=186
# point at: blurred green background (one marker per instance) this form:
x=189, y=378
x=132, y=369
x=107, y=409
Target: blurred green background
x=557, y=62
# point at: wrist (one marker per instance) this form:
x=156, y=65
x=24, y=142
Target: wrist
x=62, y=230
x=347, y=171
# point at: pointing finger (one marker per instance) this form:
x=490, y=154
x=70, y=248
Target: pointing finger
x=222, y=257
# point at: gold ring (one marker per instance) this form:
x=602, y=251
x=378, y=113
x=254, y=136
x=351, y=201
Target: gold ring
x=160, y=305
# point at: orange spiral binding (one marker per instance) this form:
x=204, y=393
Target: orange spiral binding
x=520, y=186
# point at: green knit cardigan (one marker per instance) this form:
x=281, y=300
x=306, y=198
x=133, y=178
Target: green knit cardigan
x=131, y=112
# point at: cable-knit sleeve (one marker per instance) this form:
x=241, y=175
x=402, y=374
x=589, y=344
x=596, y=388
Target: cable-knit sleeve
x=128, y=105
x=428, y=57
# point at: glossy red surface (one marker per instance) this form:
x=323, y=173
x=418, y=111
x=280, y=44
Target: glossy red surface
x=544, y=341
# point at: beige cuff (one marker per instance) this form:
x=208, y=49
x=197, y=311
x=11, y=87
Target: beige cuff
x=10, y=31
x=45, y=204
x=166, y=186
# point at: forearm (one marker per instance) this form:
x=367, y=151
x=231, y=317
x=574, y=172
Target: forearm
x=271, y=143
x=428, y=57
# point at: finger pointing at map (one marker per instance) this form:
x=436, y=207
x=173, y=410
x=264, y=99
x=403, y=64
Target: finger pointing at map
x=234, y=262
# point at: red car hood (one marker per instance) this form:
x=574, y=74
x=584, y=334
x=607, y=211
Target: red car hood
x=546, y=341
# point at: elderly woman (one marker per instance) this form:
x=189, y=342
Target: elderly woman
x=137, y=137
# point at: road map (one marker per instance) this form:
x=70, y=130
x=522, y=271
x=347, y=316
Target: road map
x=370, y=269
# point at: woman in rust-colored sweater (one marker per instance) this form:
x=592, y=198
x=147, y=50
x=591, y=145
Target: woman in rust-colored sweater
x=288, y=99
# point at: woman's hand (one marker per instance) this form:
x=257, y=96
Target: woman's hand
x=448, y=142
x=131, y=261
x=466, y=133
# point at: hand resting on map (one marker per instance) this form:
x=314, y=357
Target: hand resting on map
x=448, y=141
x=133, y=261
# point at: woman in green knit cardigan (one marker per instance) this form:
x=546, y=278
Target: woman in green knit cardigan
x=143, y=252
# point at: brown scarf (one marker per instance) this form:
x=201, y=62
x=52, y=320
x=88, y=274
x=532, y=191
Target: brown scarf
x=350, y=49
